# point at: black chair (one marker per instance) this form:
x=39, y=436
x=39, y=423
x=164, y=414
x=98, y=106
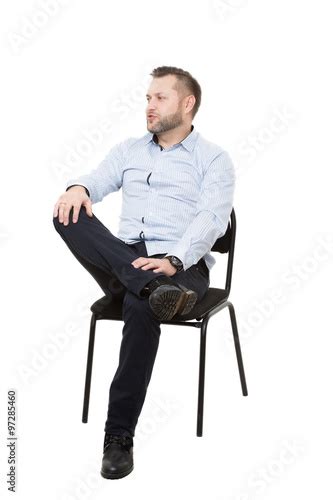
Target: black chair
x=214, y=301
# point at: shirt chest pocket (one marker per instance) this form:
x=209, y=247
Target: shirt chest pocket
x=135, y=180
x=178, y=184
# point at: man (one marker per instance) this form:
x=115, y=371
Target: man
x=177, y=192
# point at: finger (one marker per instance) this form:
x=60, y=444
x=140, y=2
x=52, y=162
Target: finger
x=55, y=210
x=139, y=262
x=88, y=206
x=139, y=266
x=76, y=210
x=67, y=209
x=151, y=265
x=61, y=213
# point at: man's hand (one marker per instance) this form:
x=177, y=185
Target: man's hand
x=74, y=197
x=157, y=265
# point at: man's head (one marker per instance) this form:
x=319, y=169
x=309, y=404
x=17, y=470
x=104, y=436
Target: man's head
x=173, y=99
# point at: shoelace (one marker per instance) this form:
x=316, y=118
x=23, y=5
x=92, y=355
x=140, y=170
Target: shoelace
x=122, y=440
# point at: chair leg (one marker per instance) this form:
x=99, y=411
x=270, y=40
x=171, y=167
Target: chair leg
x=202, y=359
x=89, y=369
x=238, y=348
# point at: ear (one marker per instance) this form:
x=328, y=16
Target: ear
x=189, y=103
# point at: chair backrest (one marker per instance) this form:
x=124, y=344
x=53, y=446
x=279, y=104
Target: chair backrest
x=226, y=244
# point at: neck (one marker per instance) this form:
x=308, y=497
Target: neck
x=174, y=136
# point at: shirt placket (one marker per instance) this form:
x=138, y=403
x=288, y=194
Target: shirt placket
x=152, y=192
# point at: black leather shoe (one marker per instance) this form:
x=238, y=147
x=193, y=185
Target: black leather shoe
x=118, y=456
x=167, y=298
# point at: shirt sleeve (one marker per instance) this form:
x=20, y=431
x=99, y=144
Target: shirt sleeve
x=213, y=212
x=107, y=177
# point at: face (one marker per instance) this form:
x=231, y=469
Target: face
x=164, y=105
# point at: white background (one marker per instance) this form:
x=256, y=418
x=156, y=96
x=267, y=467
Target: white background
x=68, y=68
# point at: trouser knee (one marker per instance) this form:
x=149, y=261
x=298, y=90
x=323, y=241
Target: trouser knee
x=59, y=226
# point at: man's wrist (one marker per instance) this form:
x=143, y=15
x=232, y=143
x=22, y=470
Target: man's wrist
x=79, y=185
x=175, y=262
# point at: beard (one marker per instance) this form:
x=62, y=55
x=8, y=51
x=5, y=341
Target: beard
x=167, y=123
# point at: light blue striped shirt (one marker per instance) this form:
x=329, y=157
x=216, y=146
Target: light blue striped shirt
x=178, y=199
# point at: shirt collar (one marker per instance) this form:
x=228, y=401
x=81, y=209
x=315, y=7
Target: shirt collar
x=188, y=143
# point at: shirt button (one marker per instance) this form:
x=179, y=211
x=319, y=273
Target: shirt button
x=142, y=235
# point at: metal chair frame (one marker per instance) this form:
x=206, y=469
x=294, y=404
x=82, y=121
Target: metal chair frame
x=224, y=244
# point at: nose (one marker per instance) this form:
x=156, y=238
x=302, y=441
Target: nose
x=151, y=106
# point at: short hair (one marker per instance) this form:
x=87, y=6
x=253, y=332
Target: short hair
x=189, y=82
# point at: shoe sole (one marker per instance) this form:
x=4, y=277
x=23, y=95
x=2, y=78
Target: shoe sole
x=116, y=475
x=166, y=302
x=189, y=301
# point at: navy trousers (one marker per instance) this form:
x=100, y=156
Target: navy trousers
x=108, y=259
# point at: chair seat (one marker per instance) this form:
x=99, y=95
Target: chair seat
x=107, y=308
x=111, y=308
